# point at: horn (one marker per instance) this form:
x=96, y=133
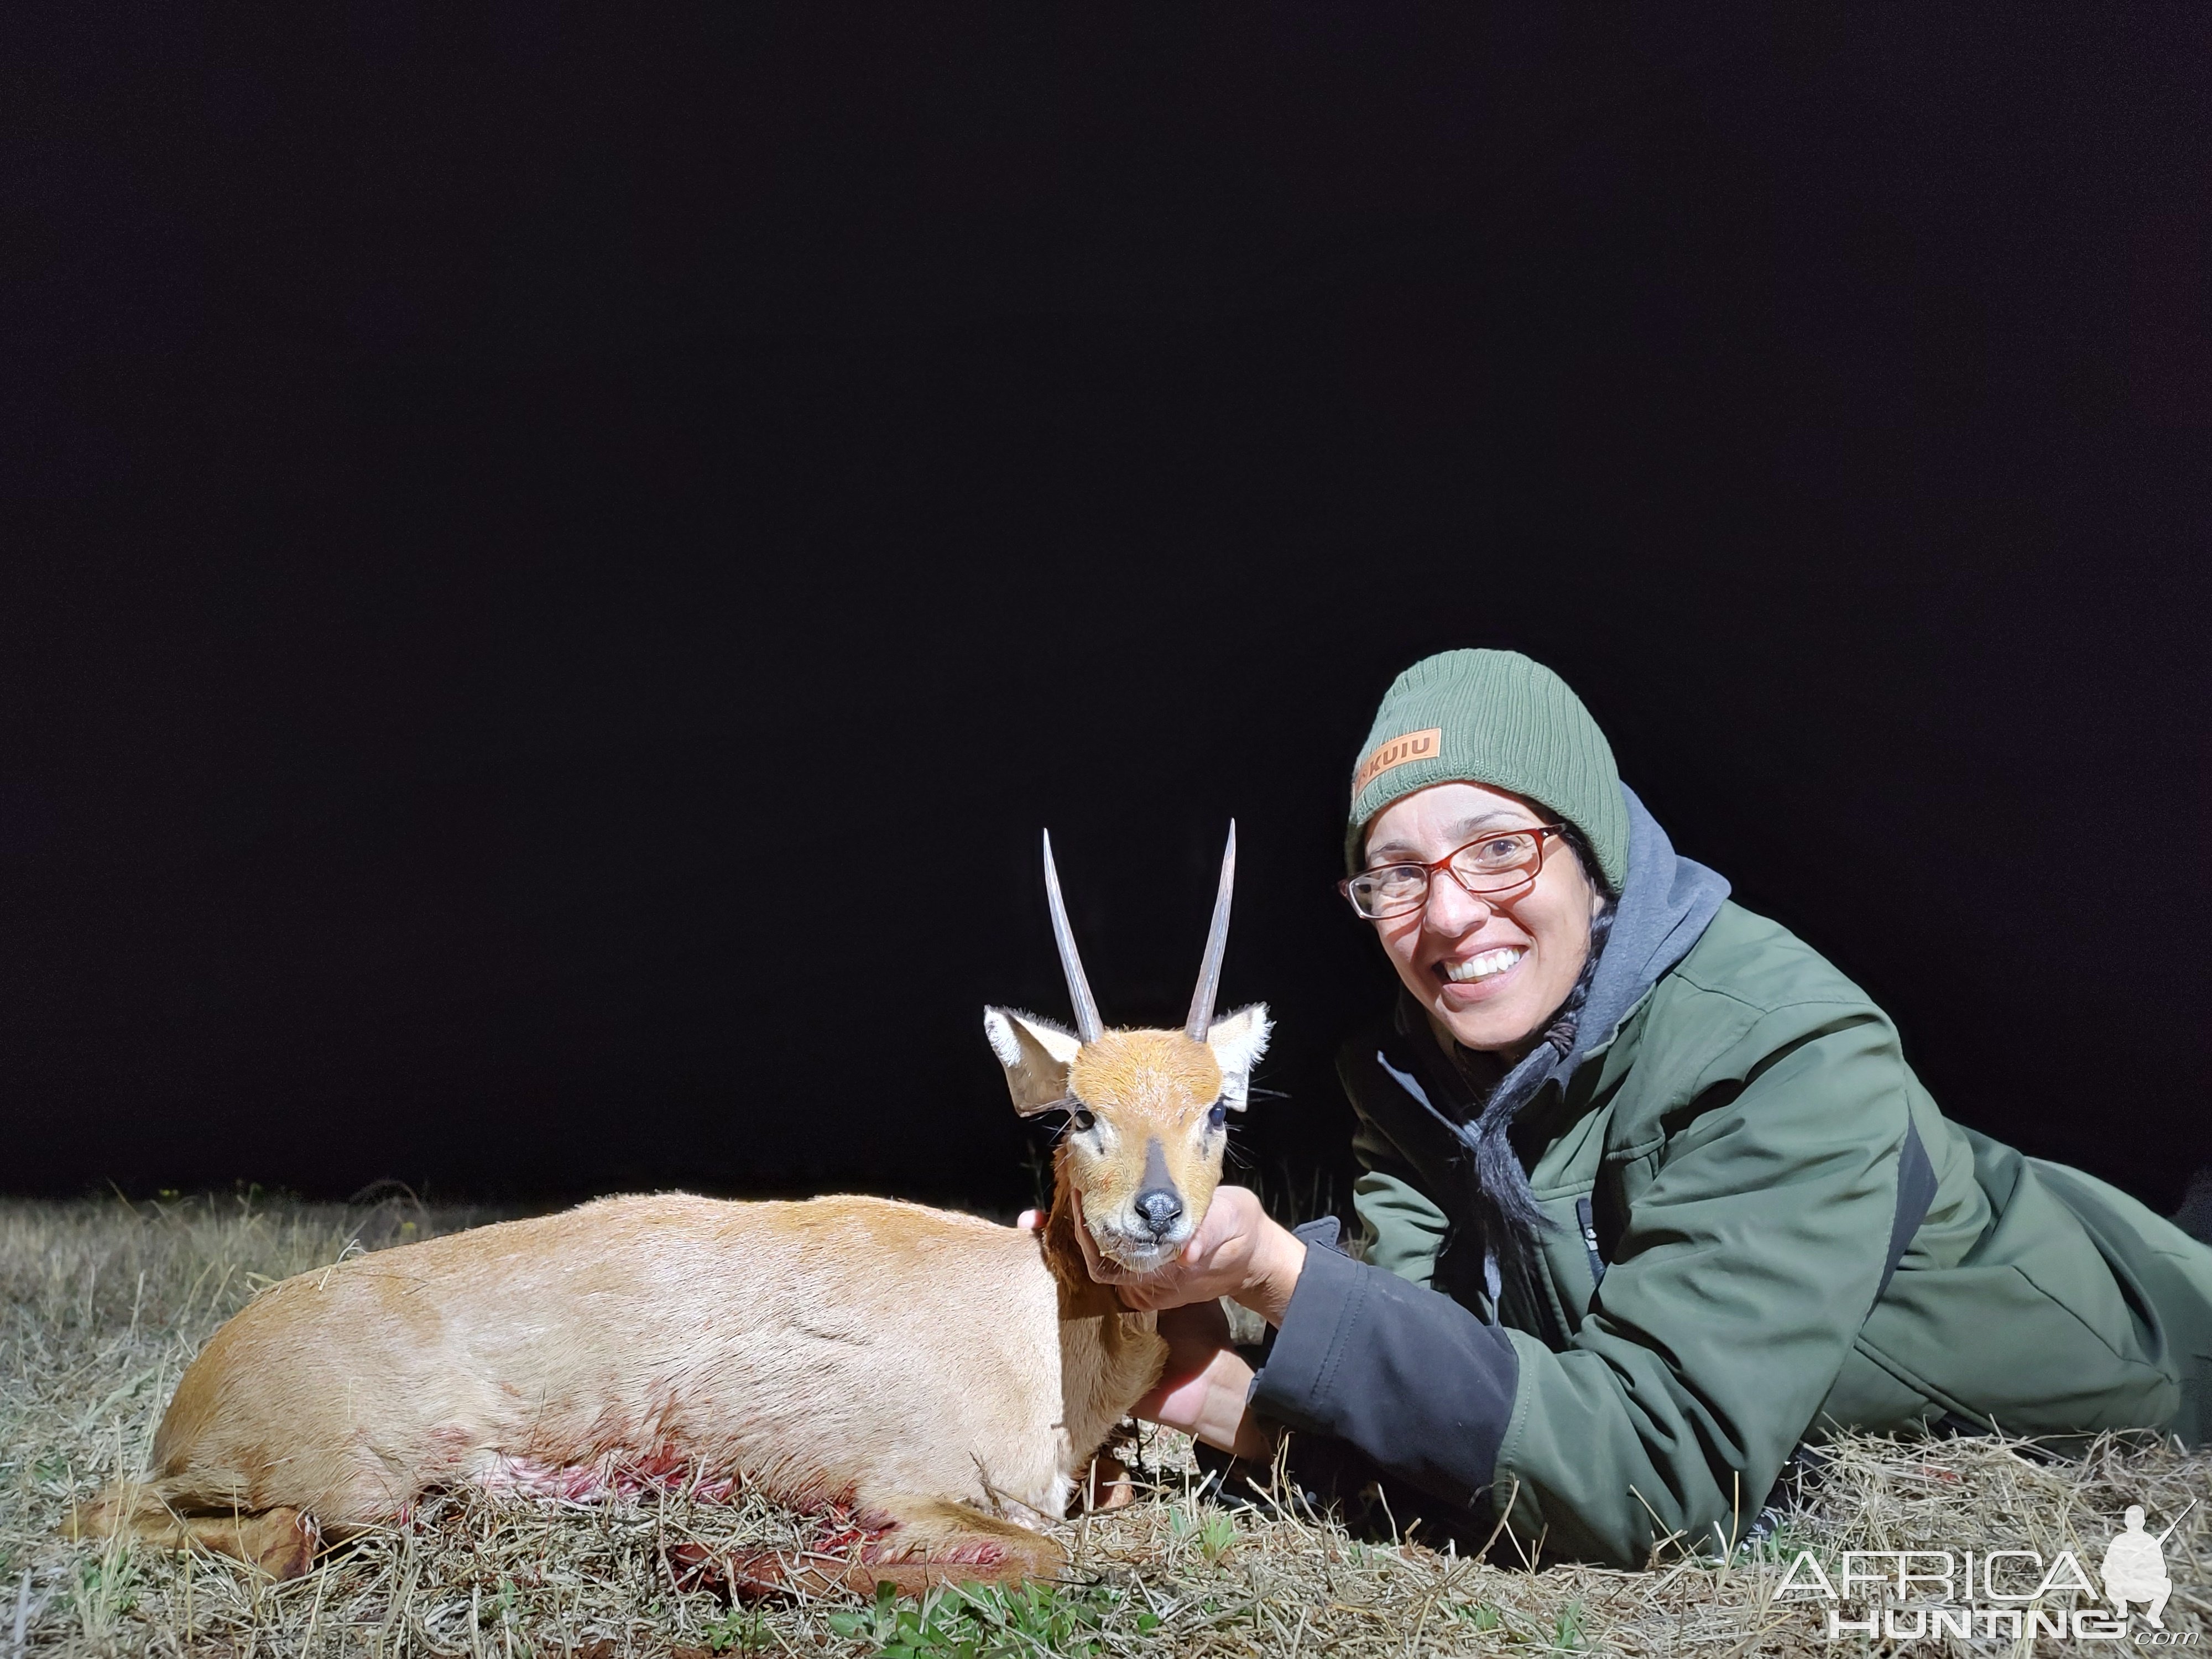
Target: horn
x=1078, y=988
x=1217, y=943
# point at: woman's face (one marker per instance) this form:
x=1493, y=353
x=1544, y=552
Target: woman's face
x=1491, y=973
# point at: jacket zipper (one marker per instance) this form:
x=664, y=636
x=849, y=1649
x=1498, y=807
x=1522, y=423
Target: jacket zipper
x=1584, y=1214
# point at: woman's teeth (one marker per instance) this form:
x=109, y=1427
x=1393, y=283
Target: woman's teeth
x=1489, y=964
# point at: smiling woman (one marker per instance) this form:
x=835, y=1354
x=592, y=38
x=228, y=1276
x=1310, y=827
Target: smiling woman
x=1493, y=950
x=1650, y=1197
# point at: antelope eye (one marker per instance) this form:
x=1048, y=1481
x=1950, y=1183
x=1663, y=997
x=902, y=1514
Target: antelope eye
x=1219, y=1115
x=1078, y=1119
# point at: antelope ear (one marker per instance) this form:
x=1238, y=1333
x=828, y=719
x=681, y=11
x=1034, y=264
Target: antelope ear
x=1237, y=1041
x=1036, y=1052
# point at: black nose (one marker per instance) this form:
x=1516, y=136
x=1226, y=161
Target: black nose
x=1161, y=1207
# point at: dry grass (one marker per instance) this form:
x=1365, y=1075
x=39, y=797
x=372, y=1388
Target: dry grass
x=102, y=1306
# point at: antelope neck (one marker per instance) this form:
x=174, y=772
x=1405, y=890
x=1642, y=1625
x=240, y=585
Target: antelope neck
x=1081, y=1297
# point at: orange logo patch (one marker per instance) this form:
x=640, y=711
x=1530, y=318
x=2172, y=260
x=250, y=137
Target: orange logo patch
x=1414, y=745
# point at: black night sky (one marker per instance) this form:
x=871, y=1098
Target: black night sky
x=556, y=563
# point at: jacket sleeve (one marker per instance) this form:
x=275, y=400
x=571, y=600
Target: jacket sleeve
x=1401, y=1371
x=1402, y=1231
x=1741, y=1280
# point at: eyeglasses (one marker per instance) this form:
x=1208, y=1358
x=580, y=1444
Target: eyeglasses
x=1490, y=867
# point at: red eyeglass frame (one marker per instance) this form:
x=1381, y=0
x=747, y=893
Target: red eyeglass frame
x=1534, y=868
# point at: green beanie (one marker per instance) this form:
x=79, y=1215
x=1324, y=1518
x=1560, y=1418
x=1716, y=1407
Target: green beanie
x=1493, y=717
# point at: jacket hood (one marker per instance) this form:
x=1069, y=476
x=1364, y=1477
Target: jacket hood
x=1664, y=906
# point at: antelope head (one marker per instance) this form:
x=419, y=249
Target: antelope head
x=1147, y=1110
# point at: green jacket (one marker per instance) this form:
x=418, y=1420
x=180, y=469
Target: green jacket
x=1763, y=1231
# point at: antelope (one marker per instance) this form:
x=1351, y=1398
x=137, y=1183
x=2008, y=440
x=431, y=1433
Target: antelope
x=931, y=1379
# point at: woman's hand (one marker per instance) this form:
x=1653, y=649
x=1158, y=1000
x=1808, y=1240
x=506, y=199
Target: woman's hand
x=1204, y=1385
x=1236, y=1252
x=1203, y=1388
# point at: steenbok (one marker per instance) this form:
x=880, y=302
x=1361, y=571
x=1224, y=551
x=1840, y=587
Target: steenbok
x=933, y=1379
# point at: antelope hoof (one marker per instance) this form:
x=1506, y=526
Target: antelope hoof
x=1108, y=1486
x=283, y=1543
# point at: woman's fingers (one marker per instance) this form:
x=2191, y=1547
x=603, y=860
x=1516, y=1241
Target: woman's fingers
x=1216, y=1262
x=1178, y=1405
x=1236, y=1252
x=1195, y=1336
x=1210, y=1405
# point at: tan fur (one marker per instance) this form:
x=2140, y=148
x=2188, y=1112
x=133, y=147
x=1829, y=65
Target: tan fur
x=1144, y=1085
x=939, y=1379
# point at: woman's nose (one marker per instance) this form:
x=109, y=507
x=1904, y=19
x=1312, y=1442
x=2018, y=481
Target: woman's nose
x=1453, y=910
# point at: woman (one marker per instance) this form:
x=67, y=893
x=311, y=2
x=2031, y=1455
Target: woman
x=1648, y=1194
